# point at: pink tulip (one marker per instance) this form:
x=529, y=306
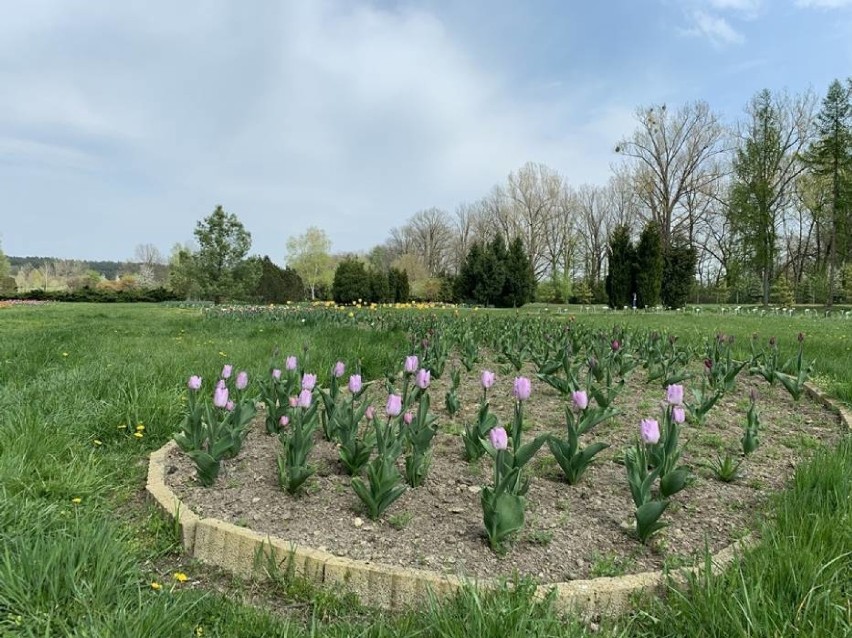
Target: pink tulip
x=487, y=379
x=276, y=374
x=423, y=378
x=309, y=381
x=355, y=383
x=408, y=417
x=522, y=388
x=220, y=396
x=499, y=439
x=370, y=413
x=284, y=421
x=678, y=414
x=411, y=363
x=229, y=406
x=305, y=398
x=294, y=402
x=674, y=394
x=338, y=369
x=291, y=363
x=242, y=380
x=226, y=371
x=194, y=382
x=581, y=399
x=615, y=345
x=649, y=431
x=220, y=384
x=394, y=406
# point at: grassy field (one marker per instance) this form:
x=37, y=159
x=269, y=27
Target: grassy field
x=81, y=546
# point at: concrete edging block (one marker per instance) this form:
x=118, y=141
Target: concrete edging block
x=242, y=551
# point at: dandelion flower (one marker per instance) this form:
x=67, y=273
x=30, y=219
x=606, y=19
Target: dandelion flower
x=76, y=500
x=181, y=577
x=156, y=586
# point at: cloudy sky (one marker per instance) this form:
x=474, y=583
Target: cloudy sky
x=126, y=122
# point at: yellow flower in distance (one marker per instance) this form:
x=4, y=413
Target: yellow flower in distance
x=181, y=577
x=156, y=586
x=76, y=500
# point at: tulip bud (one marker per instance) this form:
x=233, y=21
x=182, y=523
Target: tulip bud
x=649, y=431
x=355, y=383
x=498, y=438
x=194, y=382
x=242, y=380
x=522, y=388
x=226, y=371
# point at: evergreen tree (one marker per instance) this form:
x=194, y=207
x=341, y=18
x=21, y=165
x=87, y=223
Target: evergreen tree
x=380, y=291
x=398, y=285
x=649, y=266
x=830, y=157
x=678, y=273
x=519, y=286
x=622, y=257
x=278, y=285
x=223, y=244
x=351, y=282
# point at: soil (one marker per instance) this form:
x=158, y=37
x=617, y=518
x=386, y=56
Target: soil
x=571, y=532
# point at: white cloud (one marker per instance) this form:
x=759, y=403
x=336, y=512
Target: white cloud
x=742, y=6
x=326, y=113
x=715, y=28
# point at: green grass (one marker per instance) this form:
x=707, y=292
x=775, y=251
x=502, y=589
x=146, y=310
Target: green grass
x=71, y=375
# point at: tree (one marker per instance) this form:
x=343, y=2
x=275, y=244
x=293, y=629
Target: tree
x=152, y=270
x=182, y=279
x=766, y=166
x=678, y=272
x=649, y=266
x=519, y=287
x=619, y=280
x=310, y=256
x=351, y=281
x=278, y=285
x=5, y=266
x=673, y=154
x=219, y=267
x=398, y=286
x=830, y=157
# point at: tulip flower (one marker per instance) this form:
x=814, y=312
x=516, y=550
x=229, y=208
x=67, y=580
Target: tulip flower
x=305, y=398
x=487, y=379
x=226, y=371
x=242, y=380
x=230, y=405
x=291, y=363
x=499, y=439
x=615, y=345
x=674, y=394
x=276, y=374
x=423, y=378
x=309, y=381
x=394, y=406
x=649, y=431
x=370, y=413
x=220, y=396
x=522, y=388
x=411, y=363
x=294, y=402
x=408, y=417
x=339, y=369
x=678, y=414
x=355, y=383
x=284, y=421
x=194, y=382
x=581, y=399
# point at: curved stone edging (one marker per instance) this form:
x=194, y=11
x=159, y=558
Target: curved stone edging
x=243, y=552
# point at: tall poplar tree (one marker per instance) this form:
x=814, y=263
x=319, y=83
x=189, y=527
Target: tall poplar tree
x=830, y=158
x=619, y=280
x=649, y=266
x=766, y=166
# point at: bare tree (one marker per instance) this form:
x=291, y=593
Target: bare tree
x=535, y=191
x=431, y=234
x=672, y=153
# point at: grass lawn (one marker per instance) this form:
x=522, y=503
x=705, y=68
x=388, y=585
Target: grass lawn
x=81, y=546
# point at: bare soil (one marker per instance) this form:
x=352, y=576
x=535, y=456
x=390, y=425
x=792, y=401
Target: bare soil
x=571, y=532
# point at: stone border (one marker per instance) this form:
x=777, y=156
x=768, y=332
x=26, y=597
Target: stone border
x=249, y=554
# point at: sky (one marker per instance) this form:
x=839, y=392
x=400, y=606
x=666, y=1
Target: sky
x=125, y=123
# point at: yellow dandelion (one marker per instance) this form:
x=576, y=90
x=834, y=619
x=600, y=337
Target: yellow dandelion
x=140, y=427
x=222, y=354
x=98, y=442
x=122, y=426
x=199, y=631
x=76, y=500
x=181, y=577
x=156, y=586
x=138, y=435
